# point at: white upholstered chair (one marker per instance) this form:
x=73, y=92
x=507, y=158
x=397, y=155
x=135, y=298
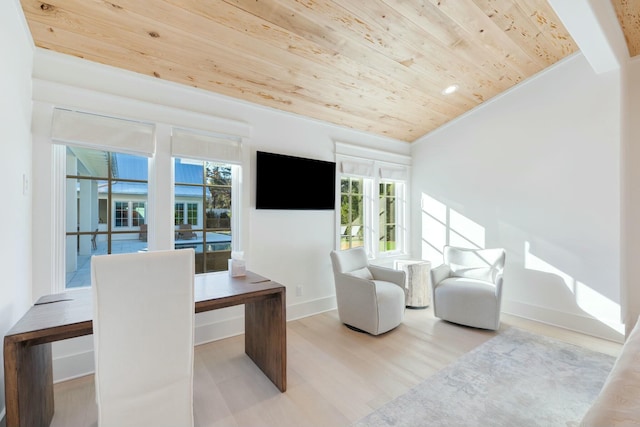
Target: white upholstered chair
x=467, y=287
x=370, y=298
x=143, y=333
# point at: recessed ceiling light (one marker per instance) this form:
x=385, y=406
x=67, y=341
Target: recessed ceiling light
x=449, y=90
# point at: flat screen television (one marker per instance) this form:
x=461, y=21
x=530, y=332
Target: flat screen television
x=297, y=183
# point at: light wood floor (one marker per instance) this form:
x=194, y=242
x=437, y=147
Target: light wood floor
x=335, y=375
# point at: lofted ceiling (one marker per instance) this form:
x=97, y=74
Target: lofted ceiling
x=379, y=66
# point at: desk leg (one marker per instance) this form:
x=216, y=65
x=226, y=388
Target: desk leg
x=266, y=337
x=28, y=384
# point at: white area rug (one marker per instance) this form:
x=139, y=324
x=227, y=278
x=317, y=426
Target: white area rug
x=515, y=379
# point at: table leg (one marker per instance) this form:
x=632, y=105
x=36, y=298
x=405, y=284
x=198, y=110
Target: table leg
x=28, y=371
x=266, y=337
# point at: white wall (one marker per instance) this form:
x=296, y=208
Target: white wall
x=16, y=50
x=291, y=247
x=536, y=171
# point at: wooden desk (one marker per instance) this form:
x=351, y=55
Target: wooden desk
x=27, y=346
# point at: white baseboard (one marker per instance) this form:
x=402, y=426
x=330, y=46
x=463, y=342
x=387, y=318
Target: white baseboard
x=309, y=308
x=76, y=360
x=3, y=421
x=73, y=366
x=584, y=324
x=218, y=330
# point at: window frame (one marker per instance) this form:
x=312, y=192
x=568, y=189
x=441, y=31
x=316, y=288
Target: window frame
x=121, y=124
x=370, y=171
x=160, y=191
x=202, y=225
x=127, y=206
x=399, y=214
x=189, y=217
x=130, y=208
x=110, y=231
x=347, y=235
x=120, y=206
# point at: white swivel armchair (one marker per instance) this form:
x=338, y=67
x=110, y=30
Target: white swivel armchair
x=370, y=298
x=143, y=328
x=467, y=287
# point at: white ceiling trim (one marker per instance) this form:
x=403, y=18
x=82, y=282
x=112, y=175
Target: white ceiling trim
x=596, y=30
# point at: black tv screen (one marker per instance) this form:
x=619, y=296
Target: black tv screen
x=288, y=182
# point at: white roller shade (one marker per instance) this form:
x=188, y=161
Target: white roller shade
x=362, y=152
x=357, y=168
x=371, y=163
x=396, y=173
x=205, y=146
x=102, y=132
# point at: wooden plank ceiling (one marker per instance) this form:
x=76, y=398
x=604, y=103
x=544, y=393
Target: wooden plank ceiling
x=378, y=66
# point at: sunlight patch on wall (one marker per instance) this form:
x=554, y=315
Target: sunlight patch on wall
x=434, y=228
x=442, y=226
x=592, y=302
x=465, y=232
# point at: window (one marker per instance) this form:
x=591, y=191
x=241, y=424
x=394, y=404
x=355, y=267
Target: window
x=388, y=217
x=122, y=214
x=353, y=218
x=372, y=201
x=138, y=211
x=109, y=191
x=192, y=213
x=351, y=212
x=129, y=214
x=203, y=194
x=179, y=214
x=95, y=180
x=191, y=216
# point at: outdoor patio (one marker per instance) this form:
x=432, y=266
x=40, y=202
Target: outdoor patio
x=82, y=276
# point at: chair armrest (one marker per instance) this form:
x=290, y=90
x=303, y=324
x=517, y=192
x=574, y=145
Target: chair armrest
x=498, y=278
x=439, y=273
x=388, y=275
x=355, y=290
x=498, y=282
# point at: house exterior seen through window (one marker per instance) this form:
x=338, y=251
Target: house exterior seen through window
x=106, y=209
x=106, y=198
x=203, y=211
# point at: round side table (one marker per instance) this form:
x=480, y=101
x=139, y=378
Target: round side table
x=418, y=282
